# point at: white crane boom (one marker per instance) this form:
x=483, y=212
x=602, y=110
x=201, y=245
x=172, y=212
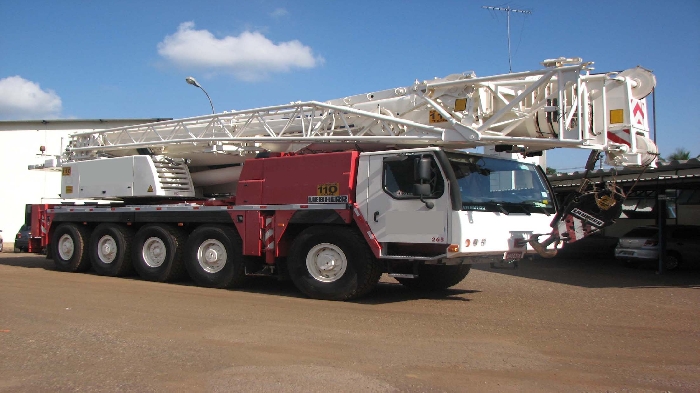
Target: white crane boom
x=562, y=105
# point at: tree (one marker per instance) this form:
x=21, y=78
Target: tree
x=551, y=171
x=680, y=154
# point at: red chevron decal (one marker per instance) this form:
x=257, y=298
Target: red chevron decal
x=638, y=111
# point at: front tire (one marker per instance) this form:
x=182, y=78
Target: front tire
x=332, y=263
x=69, y=248
x=436, y=277
x=110, y=250
x=158, y=251
x=214, y=257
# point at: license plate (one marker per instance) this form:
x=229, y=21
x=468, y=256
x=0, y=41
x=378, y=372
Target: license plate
x=626, y=253
x=513, y=255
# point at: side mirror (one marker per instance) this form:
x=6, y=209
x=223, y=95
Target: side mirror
x=423, y=190
x=423, y=172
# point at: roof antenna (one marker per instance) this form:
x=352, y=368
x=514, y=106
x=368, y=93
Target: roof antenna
x=507, y=10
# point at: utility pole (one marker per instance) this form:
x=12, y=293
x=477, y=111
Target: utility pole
x=507, y=10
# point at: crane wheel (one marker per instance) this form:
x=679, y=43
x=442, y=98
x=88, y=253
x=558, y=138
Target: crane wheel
x=332, y=263
x=214, y=257
x=158, y=251
x=110, y=250
x=436, y=277
x=69, y=248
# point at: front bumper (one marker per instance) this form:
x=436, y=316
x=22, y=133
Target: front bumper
x=636, y=254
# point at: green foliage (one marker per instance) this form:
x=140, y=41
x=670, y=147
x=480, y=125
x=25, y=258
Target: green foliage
x=551, y=171
x=679, y=154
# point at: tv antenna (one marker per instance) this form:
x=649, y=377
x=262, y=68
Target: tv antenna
x=507, y=10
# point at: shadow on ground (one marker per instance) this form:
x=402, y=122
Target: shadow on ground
x=590, y=263
x=385, y=292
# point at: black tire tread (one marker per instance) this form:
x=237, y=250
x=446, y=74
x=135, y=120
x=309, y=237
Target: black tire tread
x=178, y=270
x=239, y=279
x=375, y=269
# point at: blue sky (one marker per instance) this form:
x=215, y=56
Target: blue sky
x=127, y=59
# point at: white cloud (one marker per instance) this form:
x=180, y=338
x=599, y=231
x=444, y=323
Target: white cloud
x=21, y=99
x=278, y=13
x=249, y=56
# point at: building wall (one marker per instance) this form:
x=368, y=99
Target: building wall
x=18, y=185
x=19, y=148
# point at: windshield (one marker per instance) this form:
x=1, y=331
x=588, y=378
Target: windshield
x=499, y=185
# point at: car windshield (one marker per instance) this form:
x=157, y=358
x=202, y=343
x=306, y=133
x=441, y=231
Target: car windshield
x=500, y=185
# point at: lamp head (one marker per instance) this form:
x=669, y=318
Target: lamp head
x=192, y=81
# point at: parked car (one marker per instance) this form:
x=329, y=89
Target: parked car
x=0, y=240
x=22, y=239
x=641, y=244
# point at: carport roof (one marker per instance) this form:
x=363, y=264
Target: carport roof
x=674, y=174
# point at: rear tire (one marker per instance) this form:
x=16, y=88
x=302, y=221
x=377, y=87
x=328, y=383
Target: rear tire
x=158, y=251
x=436, y=277
x=69, y=248
x=110, y=250
x=332, y=263
x=672, y=261
x=214, y=257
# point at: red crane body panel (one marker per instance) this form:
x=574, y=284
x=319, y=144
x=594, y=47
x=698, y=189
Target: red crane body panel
x=299, y=179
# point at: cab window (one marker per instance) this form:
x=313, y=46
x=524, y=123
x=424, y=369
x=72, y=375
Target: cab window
x=400, y=174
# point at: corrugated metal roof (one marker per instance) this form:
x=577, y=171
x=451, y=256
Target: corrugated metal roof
x=679, y=170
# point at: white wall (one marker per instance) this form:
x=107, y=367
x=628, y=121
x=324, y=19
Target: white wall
x=19, y=148
x=18, y=185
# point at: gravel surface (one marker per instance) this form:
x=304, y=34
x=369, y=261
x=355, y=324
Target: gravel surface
x=551, y=325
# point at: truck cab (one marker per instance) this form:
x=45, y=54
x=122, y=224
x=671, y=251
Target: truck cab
x=463, y=207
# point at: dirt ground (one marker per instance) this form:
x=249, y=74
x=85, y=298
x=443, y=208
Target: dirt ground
x=551, y=325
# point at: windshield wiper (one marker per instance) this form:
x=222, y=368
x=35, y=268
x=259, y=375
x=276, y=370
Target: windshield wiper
x=523, y=206
x=537, y=206
x=499, y=206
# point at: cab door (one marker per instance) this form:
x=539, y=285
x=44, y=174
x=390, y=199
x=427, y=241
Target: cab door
x=390, y=200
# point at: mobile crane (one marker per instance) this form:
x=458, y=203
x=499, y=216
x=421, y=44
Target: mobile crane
x=333, y=194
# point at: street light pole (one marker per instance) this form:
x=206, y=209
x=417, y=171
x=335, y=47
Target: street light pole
x=194, y=83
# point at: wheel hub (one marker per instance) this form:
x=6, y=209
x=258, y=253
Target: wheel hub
x=212, y=256
x=154, y=252
x=326, y=262
x=107, y=249
x=66, y=247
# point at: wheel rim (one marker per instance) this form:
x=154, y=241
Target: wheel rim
x=326, y=262
x=671, y=262
x=107, y=249
x=154, y=252
x=211, y=256
x=66, y=247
